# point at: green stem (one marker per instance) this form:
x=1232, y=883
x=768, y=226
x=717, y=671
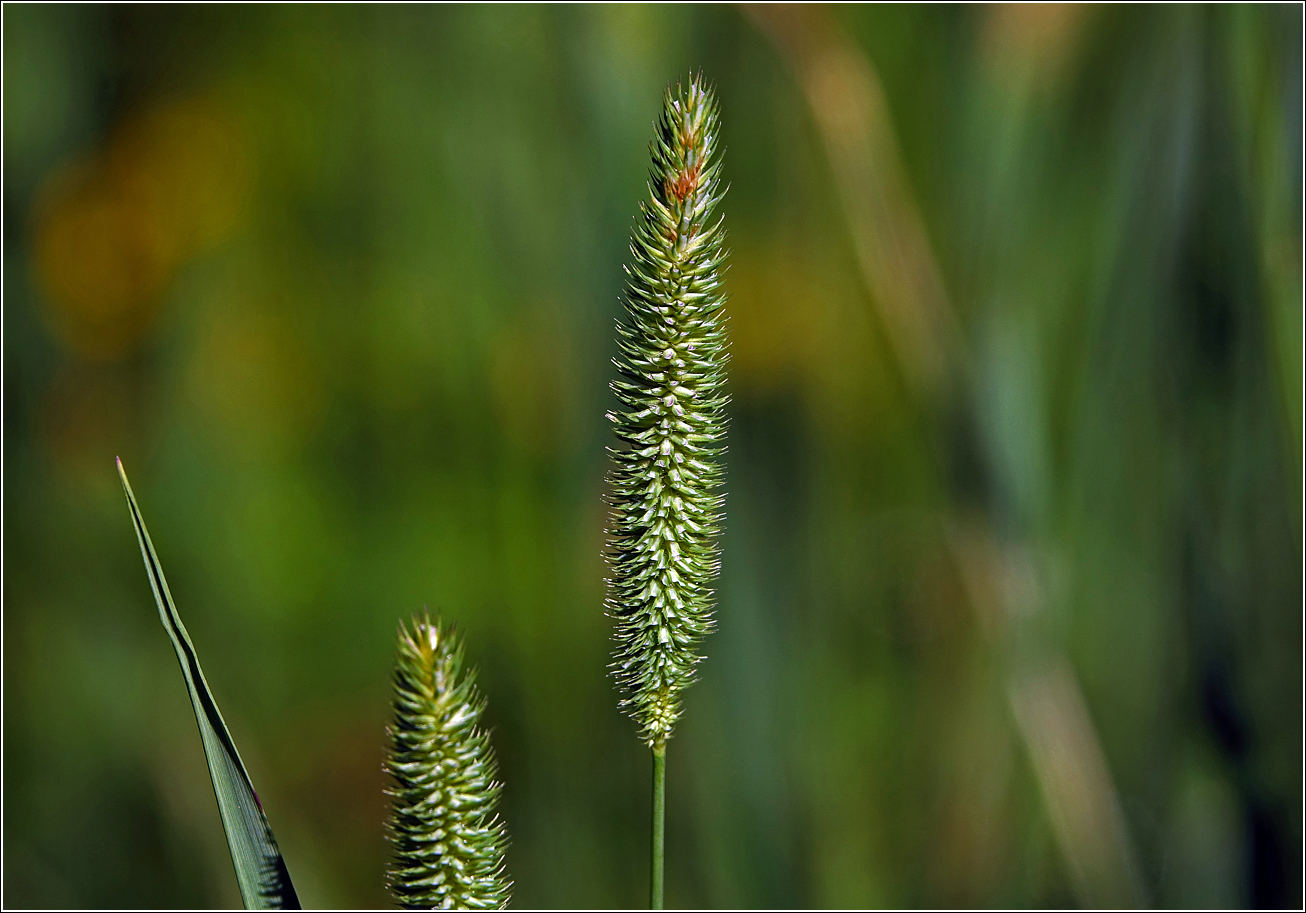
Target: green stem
x=659, y=821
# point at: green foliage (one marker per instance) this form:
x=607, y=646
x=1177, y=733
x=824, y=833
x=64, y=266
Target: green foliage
x=665, y=507
x=448, y=841
x=260, y=869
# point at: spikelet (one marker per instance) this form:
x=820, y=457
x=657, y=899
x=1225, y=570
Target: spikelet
x=448, y=841
x=665, y=502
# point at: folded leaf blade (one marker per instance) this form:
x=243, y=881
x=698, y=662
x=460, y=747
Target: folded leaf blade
x=260, y=869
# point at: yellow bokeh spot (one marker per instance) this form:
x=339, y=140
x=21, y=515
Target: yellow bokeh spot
x=532, y=382
x=111, y=228
x=252, y=382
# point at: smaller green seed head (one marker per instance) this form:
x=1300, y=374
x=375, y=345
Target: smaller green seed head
x=448, y=841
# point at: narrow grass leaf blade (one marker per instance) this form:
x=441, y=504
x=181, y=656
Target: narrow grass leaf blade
x=260, y=869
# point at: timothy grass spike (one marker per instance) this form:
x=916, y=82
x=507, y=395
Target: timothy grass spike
x=665, y=500
x=448, y=841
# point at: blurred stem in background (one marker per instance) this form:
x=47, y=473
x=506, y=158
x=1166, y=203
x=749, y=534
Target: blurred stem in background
x=898, y=267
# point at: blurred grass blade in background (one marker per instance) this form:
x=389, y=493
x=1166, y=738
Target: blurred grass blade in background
x=260, y=869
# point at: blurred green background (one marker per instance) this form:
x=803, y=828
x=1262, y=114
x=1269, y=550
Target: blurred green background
x=1010, y=611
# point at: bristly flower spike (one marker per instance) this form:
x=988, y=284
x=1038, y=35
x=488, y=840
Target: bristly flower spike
x=665, y=501
x=448, y=841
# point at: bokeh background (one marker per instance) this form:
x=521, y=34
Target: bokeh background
x=1010, y=611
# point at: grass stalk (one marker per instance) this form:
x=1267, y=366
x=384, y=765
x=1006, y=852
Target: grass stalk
x=659, y=823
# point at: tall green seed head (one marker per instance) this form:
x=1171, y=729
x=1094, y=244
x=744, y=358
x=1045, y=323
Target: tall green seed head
x=665, y=481
x=448, y=841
